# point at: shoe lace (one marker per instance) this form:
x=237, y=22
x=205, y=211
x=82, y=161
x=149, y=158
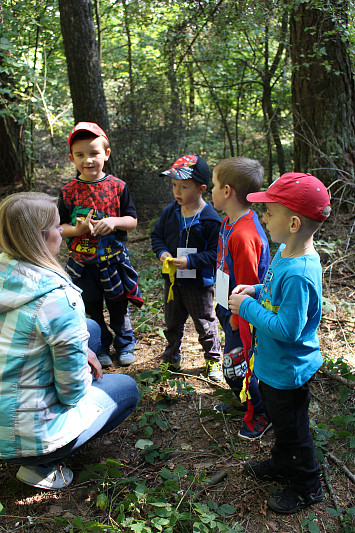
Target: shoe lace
x=60, y=467
x=213, y=365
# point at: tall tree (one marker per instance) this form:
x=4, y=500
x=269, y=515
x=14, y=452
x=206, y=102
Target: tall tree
x=323, y=94
x=83, y=62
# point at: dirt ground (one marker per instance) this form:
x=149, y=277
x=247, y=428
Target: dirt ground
x=196, y=437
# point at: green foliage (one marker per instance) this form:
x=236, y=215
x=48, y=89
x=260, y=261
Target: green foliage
x=347, y=518
x=133, y=505
x=311, y=525
x=151, y=285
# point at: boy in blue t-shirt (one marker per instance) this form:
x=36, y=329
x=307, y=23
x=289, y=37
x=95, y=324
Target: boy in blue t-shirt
x=285, y=312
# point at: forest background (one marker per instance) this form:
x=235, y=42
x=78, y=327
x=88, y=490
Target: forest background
x=271, y=80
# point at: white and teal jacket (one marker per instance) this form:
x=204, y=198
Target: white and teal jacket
x=44, y=375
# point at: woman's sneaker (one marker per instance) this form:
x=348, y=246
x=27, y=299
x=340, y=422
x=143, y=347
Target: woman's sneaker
x=290, y=501
x=259, y=425
x=53, y=478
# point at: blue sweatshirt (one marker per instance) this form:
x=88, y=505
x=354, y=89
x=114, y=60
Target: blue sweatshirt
x=286, y=314
x=169, y=234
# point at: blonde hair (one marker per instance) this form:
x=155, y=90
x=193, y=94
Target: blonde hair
x=25, y=219
x=244, y=175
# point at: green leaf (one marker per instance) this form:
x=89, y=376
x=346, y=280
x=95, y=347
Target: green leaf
x=102, y=501
x=226, y=508
x=142, y=444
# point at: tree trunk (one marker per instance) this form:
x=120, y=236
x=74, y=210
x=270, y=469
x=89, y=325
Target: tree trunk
x=14, y=161
x=83, y=62
x=322, y=92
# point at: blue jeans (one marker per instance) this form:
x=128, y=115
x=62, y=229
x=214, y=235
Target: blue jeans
x=120, y=322
x=235, y=379
x=115, y=394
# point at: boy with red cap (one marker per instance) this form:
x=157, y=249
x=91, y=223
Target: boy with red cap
x=285, y=312
x=185, y=241
x=96, y=211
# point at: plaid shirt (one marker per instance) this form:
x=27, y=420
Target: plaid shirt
x=44, y=376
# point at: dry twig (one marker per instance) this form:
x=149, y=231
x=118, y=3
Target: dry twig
x=340, y=463
x=325, y=466
x=336, y=377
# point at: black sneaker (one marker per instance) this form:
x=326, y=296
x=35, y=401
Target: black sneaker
x=262, y=470
x=289, y=501
x=260, y=425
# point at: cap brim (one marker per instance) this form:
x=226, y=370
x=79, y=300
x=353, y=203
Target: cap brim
x=260, y=197
x=172, y=174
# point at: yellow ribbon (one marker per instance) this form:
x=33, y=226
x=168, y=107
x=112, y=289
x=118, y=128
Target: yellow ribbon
x=170, y=269
x=246, y=395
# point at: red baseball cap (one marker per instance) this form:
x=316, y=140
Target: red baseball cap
x=303, y=193
x=86, y=126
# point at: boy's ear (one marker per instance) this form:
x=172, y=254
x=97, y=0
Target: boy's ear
x=296, y=224
x=203, y=187
x=227, y=191
x=107, y=153
x=71, y=157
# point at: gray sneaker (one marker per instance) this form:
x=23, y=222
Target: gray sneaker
x=126, y=358
x=105, y=360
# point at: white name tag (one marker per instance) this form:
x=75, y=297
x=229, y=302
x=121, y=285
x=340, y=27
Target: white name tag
x=222, y=288
x=185, y=273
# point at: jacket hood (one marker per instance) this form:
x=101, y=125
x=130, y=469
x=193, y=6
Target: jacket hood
x=22, y=282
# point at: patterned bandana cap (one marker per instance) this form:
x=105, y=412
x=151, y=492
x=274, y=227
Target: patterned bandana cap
x=189, y=166
x=86, y=126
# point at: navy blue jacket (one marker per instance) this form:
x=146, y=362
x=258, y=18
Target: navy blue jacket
x=168, y=235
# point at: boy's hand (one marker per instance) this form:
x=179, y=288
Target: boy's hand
x=84, y=226
x=163, y=256
x=181, y=262
x=235, y=300
x=105, y=226
x=249, y=290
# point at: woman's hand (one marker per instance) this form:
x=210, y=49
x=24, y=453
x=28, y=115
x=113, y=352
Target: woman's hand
x=94, y=365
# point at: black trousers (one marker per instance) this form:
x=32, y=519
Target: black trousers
x=293, y=453
x=198, y=303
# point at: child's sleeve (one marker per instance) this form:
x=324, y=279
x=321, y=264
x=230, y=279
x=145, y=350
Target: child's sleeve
x=246, y=257
x=127, y=207
x=287, y=321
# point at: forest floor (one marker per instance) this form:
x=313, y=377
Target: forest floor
x=190, y=441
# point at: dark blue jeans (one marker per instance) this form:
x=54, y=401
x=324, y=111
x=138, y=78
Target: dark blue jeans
x=235, y=381
x=293, y=453
x=120, y=322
